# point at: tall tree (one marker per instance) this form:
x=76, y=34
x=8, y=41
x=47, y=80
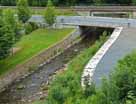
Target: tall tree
x=23, y=10
x=71, y=2
x=50, y=15
x=134, y=2
x=11, y=20
x=7, y=35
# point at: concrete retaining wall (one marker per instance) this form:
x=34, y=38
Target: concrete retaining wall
x=36, y=60
x=92, y=64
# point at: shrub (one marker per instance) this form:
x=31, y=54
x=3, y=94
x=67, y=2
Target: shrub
x=120, y=88
x=23, y=10
x=28, y=28
x=68, y=84
x=50, y=15
x=7, y=32
x=34, y=26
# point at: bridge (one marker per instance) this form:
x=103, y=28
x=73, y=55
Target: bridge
x=121, y=42
x=96, y=21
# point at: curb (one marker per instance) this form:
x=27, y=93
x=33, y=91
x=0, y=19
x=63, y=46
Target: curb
x=89, y=69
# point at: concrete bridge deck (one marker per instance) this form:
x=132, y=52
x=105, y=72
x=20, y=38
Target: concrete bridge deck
x=96, y=21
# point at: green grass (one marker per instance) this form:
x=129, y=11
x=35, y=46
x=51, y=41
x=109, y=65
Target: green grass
x=40, y=102
x=58, y=12
x=32, y=44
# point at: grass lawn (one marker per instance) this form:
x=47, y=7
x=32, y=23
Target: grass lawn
x=32, y=44
x=40, y=102
x=59, y=12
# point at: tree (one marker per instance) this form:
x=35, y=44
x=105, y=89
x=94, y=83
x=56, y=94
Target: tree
x=7, y=35
x=7, y=39
x=23, y=10
x=50, y=15
x=10, y=19
x=134, y=2
x=71, y=2
x=98, y=2
x=120, y=88
x=8, y=2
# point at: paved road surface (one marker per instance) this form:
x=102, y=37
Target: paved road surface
x=124, y=45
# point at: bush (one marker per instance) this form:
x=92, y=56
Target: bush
x=68, y=84
x=120, y=88
x=34, y=26
x=29, y=27
x=7, y=32
x=50, y=14
x=125, y=77
x=23, y=10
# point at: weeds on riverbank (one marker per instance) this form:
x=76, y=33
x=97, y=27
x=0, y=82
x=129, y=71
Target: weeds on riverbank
x=120, y=88
x=66, y=88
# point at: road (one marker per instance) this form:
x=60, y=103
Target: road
x=124, y=45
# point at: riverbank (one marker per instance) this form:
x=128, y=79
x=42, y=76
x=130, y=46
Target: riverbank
x=66, y=87
x=23, y=69
x=32, y=88
x=31, y=45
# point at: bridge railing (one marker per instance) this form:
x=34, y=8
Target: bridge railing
x=98, y=21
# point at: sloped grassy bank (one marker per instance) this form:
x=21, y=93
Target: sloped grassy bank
x=66, y=87
x=31, y=45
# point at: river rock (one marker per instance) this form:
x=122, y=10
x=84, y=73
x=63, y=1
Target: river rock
x=45, y=88
x=76, y=50
x=20, y=87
